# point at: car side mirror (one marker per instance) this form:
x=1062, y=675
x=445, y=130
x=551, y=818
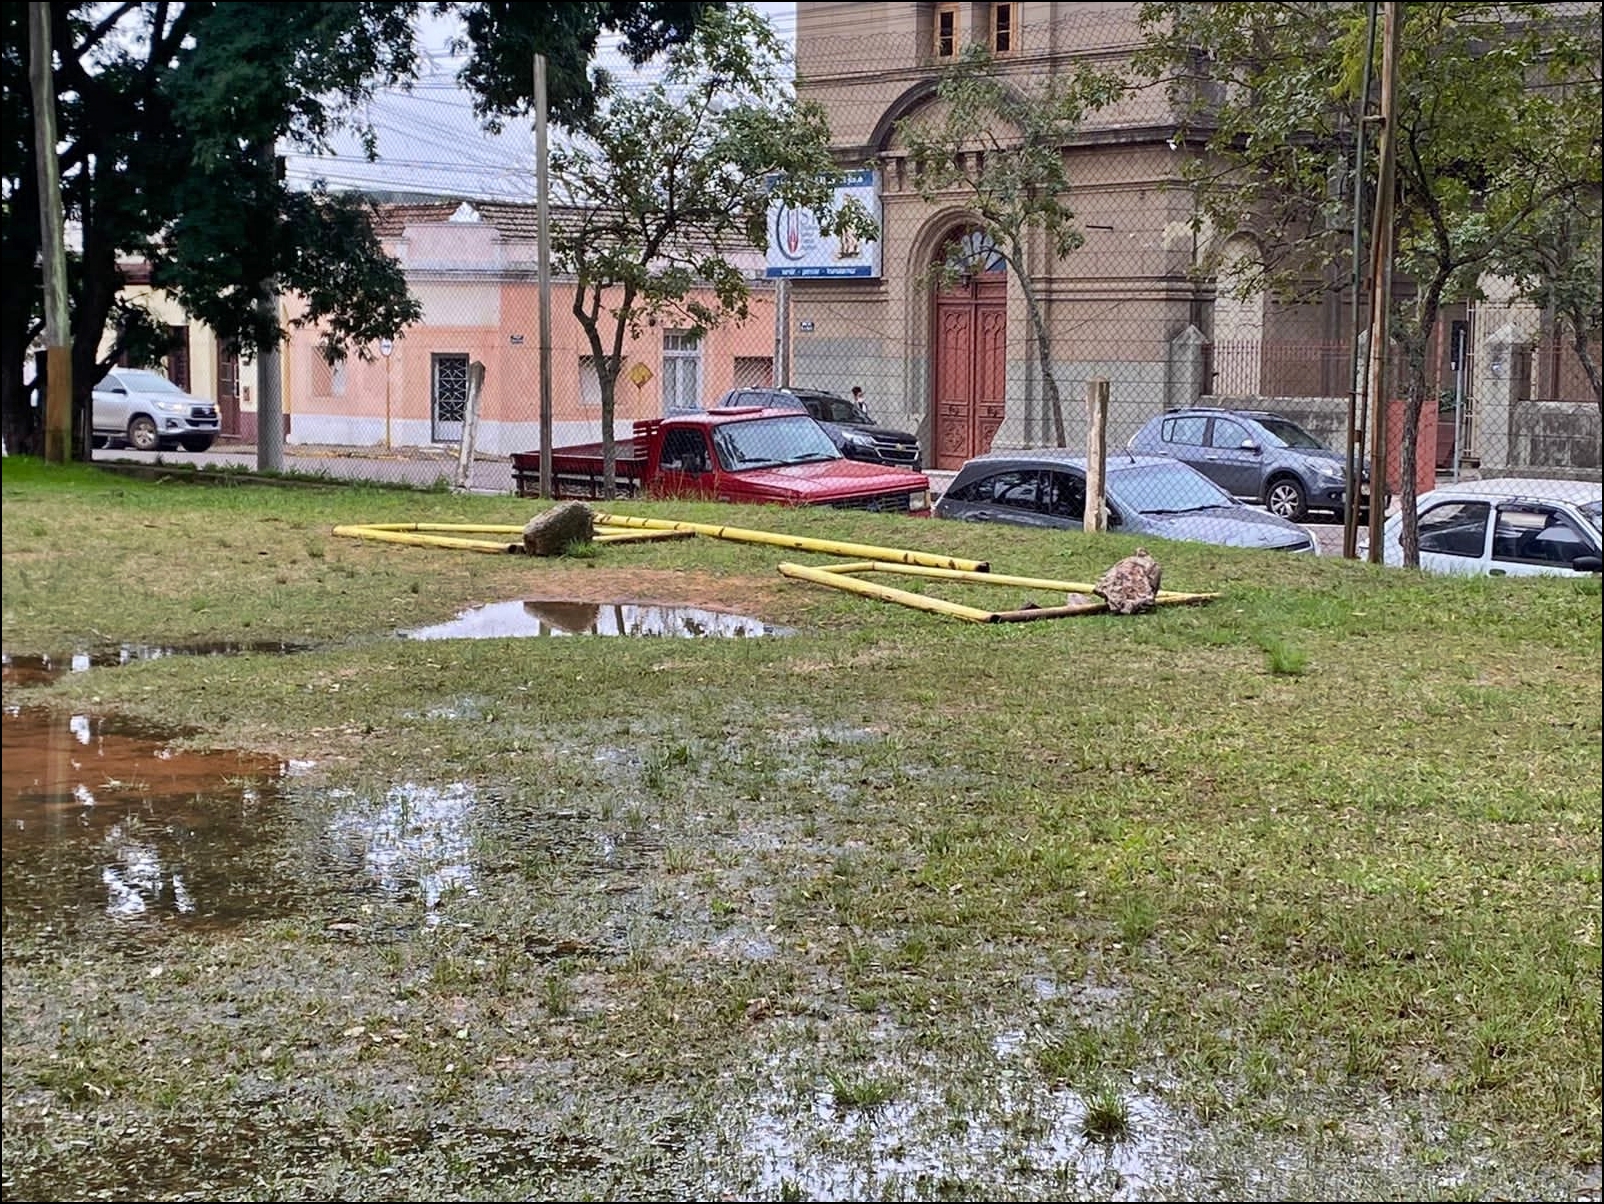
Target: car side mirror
x=1588, y=564
x=1249, y=446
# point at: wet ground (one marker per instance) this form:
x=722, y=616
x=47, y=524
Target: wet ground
x=225, y=980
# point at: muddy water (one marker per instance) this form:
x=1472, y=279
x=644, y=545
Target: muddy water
x=104, y=819
x=500, y=620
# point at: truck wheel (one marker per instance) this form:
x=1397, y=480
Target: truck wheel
x=196, y=443
x=142, y=433
x=1285, y=499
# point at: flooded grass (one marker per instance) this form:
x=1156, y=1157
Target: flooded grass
x=886, y=909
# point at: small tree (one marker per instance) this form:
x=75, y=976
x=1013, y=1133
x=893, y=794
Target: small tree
x=1496, y=126
x=997, y=144
x=1558, y=265
x=664, y=185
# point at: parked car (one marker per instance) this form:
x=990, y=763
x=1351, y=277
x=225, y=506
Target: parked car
x=150, y=413
x=1510, y=526
x=729, y=455
x=1254, y=455
x=1146, y=495
x=854, y=433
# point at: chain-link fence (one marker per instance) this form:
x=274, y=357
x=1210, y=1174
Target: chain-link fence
x=933, y=345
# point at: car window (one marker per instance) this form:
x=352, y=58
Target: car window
x=1066, y=495
x=1228, y=434
x=140, y=381
x=1593, y=512
x=1018, y=488
x=685, y=451
x=1536, y=535
x=1283, y=433
x=1455, y=529
x=1165, y=488
x=1187, y=430
x=767, y=442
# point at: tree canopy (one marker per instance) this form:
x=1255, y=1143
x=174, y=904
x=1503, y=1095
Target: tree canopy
x=1497, y=127
x=666, y=187
x=168, y=120
x=997, y=145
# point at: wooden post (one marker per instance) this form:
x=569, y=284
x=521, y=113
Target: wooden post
x=543, y=272
x=470, y=424
x=1381, y=280
x=1096, y=452
x=58, y=331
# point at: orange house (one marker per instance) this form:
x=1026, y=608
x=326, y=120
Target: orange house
x=472, y=266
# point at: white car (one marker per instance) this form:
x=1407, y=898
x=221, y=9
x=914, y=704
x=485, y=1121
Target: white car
x=1509, y=526
x=150, y=412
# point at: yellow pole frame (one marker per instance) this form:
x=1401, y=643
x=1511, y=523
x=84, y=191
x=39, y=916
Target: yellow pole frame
x=431, y=535
x=800, y=543
x=886, y=593
x=842, y=577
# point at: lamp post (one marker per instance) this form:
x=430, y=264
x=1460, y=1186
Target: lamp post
x=385, y=347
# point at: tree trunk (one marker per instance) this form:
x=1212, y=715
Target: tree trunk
x=1417, y=344
x=1589, y=365
x=97, y=292
x=1044, y=353
x=608, y=372
x=21, y=423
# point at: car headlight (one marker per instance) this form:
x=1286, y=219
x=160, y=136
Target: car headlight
x=172, y=407
x=859, y=440
x=919, y=500
x=1332, y=472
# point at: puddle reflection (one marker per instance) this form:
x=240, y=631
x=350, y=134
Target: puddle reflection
x=419, y=838
x=500, y=620
x=106, y=818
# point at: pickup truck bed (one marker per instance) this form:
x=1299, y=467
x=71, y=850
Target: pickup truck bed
x=576, y=471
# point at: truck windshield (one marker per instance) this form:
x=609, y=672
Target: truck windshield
x=771, y=442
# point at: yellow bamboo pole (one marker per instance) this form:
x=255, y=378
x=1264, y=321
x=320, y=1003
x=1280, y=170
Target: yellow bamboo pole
x=844, y=577
x=801, y=543
x=430, y=535
x=421, y=540
x=1071, y=587
x=483, y=528
x=610, y=535
x=886, y=593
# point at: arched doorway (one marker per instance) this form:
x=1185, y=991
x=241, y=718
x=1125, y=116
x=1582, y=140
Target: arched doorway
x=970, y=344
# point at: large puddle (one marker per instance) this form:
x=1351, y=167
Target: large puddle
x=501, y=620
x=107, y=821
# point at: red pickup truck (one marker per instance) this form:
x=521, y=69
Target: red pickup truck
x=730, y=455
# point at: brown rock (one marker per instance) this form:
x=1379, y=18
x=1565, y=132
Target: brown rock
x=1131, y=586
x=550, y=533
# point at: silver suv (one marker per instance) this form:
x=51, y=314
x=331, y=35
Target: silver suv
x=1256, y=456
x=150, y=412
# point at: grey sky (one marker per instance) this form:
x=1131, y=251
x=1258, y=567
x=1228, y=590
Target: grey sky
x=430, y=142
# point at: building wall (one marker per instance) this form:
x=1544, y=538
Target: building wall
x=202, y=342
x=387, y=400
x=1111, y=308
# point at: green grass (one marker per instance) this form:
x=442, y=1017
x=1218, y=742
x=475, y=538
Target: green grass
x=1322, y=857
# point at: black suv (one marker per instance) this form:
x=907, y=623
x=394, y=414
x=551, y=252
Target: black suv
x=849, y=426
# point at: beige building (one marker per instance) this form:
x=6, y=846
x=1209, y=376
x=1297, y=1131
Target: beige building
x=960, y=365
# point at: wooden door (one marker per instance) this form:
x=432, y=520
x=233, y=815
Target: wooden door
x=971, y=368
x=228, y=391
